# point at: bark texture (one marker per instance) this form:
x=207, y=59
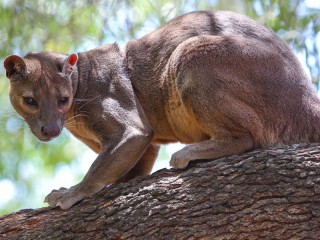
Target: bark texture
x=264, y=194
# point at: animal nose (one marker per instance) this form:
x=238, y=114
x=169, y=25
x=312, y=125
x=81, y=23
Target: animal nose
x=50, y=130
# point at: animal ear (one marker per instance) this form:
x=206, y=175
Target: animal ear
x=70, y=64
x=15, y=65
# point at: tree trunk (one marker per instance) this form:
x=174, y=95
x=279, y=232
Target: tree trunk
x=264, y=194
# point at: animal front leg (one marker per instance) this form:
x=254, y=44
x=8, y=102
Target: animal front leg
x=111, y=164
x=211, y=149
x=144, y=165
x=66, y=197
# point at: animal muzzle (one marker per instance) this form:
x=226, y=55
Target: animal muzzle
x=50, y=131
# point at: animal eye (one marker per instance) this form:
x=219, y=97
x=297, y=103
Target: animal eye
x=63, y=101
x=30, y=101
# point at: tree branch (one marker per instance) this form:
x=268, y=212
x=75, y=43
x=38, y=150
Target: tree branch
x=263, y=194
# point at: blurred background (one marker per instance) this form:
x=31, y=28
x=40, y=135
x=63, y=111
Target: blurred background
x=29, y=170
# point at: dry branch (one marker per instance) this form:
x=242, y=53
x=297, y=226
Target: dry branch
x=264, y=194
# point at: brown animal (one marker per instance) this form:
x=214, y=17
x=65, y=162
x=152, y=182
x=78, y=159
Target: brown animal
x=218, y=81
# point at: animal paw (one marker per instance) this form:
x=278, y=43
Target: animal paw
x=179, y=160
x=65, y=198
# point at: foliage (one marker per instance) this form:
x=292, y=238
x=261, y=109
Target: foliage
x=27, y=166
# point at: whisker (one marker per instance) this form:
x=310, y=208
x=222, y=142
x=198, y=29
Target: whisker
x=72, y=126
x=34, y=141
x=76, y=116
x=38, y=144
x=87, y=101
x=72, y=121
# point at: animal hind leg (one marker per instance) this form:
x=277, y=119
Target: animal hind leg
x=144, y=165
x=211, y=149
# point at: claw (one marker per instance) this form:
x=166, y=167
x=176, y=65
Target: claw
x=58, y=204
x=179, y=160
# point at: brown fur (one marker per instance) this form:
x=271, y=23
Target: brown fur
x=217, y=81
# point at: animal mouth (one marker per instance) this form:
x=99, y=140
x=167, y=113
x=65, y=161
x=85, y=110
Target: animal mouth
x=48, y=133
x=45, y=139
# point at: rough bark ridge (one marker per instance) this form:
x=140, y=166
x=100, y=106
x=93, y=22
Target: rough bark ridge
x=264, y=194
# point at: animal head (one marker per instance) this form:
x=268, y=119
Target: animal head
x=41, y=90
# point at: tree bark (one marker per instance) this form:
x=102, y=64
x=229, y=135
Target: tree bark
x=264, y=194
